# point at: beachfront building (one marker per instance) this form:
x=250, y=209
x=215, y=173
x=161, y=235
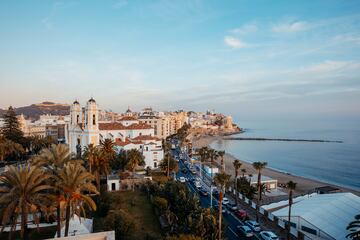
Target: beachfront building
x=319, y=216
x=164, y=123
x=127, y=133
x=270, y=183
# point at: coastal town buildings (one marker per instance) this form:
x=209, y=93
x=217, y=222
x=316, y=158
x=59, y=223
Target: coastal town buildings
x=127, y=133
x=164, y=123
x=53, y=126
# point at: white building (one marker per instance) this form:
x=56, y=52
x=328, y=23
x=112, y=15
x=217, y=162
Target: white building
x=323, y=216
x=127, y=133
x=84, y=126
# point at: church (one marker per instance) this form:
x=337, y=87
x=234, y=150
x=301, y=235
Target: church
x=126, y=133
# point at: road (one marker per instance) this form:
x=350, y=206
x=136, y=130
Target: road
x=231, y=221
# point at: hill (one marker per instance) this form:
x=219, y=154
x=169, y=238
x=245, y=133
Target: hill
x=35, y=110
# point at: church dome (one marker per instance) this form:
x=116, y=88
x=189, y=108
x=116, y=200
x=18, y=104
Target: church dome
x=91, y=100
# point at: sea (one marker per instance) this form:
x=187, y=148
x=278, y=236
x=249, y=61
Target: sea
x=335, y=163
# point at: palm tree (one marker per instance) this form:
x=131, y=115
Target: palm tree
x=203, y=152
x=222, y=180
x=259, y=166
x=212, y=155
x=8, y=147
x=221, y=155
x=90, y=153
x=291, y=186
x=53, y=159
x=100, y=166
x=74, y=180
x=167, y=147
x=237, y=165
x=243, y=171
x=108, y=148
x=135, y=158
x=354, y=228
x=23, y=192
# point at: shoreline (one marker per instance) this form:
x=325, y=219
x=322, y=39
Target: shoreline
x=304, y=185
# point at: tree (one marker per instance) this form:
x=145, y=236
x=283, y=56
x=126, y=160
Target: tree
x=90, y=154
x=244, y=187
x=291, y=186
x=222, y=180
x=170, y=164
x=53, y=160
x=167, y=147
x=120, y=221
x=135, y=158
x=212, y=155
x=221, y=154
x=9, y=148
x=23, y=192
x=37, y=143
x=100, y=167
x=203, y=152
x=107, y=147
x=258, y=166
x=354, y=228
x=74, y=181
x=11, y=127
x=237, y=165
x=243, y=171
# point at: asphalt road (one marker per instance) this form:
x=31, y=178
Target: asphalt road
x=231, y=221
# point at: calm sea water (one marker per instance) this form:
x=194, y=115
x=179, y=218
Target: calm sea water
x=336, y=163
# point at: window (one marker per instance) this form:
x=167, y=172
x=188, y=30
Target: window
x=309, y=230
x=155, y=164
x=140, y=134
x=77, y=118
x=93, y=119
x=113, y=186
x=78, y=141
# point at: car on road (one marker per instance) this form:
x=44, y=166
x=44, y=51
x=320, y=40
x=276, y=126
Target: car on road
x=193, y=171
x=184, y=171
x=182, y=179
x=267, y=235
x=245, y=231
x=241, y=214
x=203, y=192
x=254, y=225
x=232, y=206
x=225, y=201
x=216, y=207
x=197, y=184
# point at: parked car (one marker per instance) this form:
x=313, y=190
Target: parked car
x=254, y=225
x=242, y=214
x=193, y=171
x=184, y=171
x=232, y=206
x=197, y=184
x=245, y=231
x=203, y=192
x=182, y=179
x=216, y=207
x=267, y=235
x=225, y=201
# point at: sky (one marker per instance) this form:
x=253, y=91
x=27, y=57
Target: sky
x=251, y=59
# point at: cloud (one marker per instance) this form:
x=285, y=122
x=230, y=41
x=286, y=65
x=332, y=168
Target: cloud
x=234, y=42
x=245, y=29
x=290, y=27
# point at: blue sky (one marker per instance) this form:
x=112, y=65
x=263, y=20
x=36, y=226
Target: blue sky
x=252, y=59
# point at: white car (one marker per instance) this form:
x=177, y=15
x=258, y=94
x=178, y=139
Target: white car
x=182, y=179
x=267, y=235
x=225, y=201
x=254, y=225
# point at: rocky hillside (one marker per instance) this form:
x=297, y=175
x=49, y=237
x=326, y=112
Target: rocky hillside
x=35, y=110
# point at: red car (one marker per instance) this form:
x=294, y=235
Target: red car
x=242, y=214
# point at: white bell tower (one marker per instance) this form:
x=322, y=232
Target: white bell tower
x=91, y=123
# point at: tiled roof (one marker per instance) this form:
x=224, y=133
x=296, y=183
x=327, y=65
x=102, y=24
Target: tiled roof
x=118, y=142
x=119, y=126
x=127, y=118
x=146, y=137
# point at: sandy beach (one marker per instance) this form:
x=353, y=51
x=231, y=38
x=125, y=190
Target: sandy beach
x=304, y=185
